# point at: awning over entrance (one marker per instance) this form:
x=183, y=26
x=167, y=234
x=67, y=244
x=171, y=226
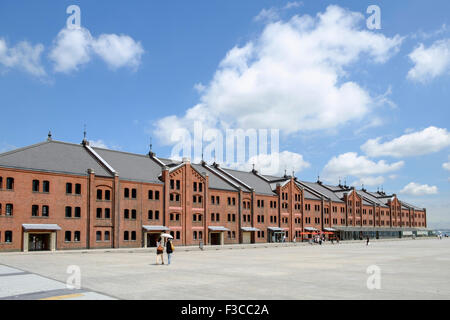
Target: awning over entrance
x=41, y=227
x=275, y=229
x=155, y=228
x=220, y=228
x=311, y=229
x=250, y=229
x=329, y=229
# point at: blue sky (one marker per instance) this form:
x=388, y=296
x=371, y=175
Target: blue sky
x=174, y=45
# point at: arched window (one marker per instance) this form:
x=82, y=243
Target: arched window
x=133, y=214
x=194, y=235
x=78, y=189
x=68, y=236
x=178, y=235
x=150, y=214
x=68, y=212
x=77, y=236
x=107, y=236
x=126, y=236
x=126, y=214
x=107, y=213
x=99, y=194
x=133, y=235
x=68, y=188
x=99, y=235
x=107, y=195
x=150, y=194
x=126, y=193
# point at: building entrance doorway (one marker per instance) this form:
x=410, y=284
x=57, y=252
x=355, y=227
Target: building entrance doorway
x=216, y=238
x=152, y=239
x=39, y=242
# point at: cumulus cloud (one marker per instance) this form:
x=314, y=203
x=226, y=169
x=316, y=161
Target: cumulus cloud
x=431, y=62
x=416, y=189
x=292, y=77
x=76, y=47
x=23, y=56
x=352, y=165
x=98, y=144
x=427, y=141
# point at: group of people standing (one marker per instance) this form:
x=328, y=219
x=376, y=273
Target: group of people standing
x=169, y=248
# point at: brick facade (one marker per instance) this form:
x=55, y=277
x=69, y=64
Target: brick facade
x=98, y=211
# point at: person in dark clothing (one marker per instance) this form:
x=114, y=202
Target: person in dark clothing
x=368, y=240
x=169, y=250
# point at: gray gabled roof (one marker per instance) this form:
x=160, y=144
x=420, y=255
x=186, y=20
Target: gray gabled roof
x=215, y=180
x=258, y=184
x=318, y=188
x=372, y=198
x=54, y=156
x=132, y=166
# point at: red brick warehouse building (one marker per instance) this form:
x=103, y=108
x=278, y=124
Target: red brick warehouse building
x=61, y=196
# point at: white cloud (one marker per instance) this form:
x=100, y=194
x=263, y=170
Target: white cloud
x=265, y=163
x=293, y=4
x=75, y=47
x=266, y=15
x=351, y=164
x=446, y=165
x=23, y=56
x=118, y=51
x=292, y=77
x=72, y=48
x=98, y=144
x=369, y=181
x=430, y=62
x=429, y=140
x=416, y=189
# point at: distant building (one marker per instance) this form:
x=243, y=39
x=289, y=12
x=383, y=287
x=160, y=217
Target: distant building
x=61, y=196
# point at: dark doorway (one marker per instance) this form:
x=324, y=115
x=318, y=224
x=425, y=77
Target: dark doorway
x=39, y=242
x=216, y=239
x=152, y=239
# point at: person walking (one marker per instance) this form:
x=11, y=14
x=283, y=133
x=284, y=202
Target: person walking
x=169, y=250
x=368, y=240
x=160, y=251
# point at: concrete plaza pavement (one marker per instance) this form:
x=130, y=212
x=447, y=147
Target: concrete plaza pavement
x=410, y=269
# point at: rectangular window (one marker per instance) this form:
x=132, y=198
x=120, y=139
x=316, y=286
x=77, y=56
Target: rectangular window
x=35, y=211
x=156, y=195
x=126, y=193
x=107, y=236
x=68, y=236
x=178, y=184
x=99, y=213
x=99, y=194
x=35, y=185
x=107, y=195
x=9, y=209
x=150, y=194
x=134, y=193
x=156, y=215
x=46, y=186
x=78, y=189
x=77, y=236
x=68, y=188
x=195, y=186
x=68, y=212
x=8, y=236
x=45, y=211
x=107, y=213
x=9, y=184
x=77, y=212
x=98, y=236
